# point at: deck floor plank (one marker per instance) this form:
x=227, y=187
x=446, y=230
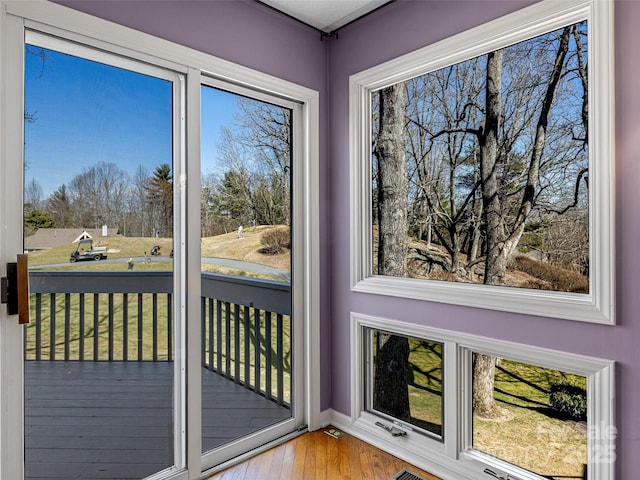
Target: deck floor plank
x=113, y=420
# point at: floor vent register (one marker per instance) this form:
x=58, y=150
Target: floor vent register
x=404, y=474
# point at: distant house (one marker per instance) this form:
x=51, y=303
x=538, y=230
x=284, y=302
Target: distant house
x=46, y=238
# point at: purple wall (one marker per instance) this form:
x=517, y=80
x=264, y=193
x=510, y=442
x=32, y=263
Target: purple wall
x=403, y=27
x=248, y=34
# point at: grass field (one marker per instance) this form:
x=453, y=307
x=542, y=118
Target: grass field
x=107, y=335
x=122, y=248
x=527, y=432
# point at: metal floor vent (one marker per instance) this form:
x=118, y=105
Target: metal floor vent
x=404, y=474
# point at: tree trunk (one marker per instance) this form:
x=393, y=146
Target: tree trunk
x=391, y=394
x=494, y=267
x=500, y=246
x=484, y=371
x=494, y=270
x=392, y=183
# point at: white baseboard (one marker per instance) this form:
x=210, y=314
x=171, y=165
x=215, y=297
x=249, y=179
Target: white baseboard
x=325, y=418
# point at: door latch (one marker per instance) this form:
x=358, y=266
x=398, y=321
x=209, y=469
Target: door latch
x=15, y=289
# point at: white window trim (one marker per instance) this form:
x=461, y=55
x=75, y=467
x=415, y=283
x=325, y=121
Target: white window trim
x=72, y=25
x=454, y=457
x=598, y=305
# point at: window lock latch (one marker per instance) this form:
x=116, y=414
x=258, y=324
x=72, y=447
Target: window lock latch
x=395, y=432
x=493, y=474
x=488, y=471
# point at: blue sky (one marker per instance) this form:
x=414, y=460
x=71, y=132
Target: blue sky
x=218, y=110
x=86, y=112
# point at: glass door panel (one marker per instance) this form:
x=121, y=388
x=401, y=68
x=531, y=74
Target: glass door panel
x=246, y=250
x=99, y=229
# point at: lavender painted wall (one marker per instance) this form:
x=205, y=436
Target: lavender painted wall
x=405, y=26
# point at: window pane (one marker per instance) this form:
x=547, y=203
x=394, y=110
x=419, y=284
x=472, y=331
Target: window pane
x=530, y=416
x=480, y=169
x=245, y=226
x=406, y=380
x=98, y=223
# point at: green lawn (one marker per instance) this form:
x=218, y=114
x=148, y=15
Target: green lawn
x=527, y=432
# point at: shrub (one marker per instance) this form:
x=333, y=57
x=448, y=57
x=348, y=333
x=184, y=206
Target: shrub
x=275, y=241
x=569, y=401
x=557, y=278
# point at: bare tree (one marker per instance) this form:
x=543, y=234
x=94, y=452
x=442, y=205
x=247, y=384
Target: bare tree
x=141, y=216
x=502, y=238
x=98, y=195
x=59, y=205
x=33, y=196
x=265, y=130
x=391, y=393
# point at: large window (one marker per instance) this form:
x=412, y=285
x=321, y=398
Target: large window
x=485, y=170
x=474, y=406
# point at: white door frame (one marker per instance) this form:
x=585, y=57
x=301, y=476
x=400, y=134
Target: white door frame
x=15, y=16
x=11, y=337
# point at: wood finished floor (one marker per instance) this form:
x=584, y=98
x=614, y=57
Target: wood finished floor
x=317, y=456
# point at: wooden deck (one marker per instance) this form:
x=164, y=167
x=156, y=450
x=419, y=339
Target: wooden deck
x=113, y=420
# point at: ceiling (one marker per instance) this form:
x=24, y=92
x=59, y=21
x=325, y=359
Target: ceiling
x=325, y=15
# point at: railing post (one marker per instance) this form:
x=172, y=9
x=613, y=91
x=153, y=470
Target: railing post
x=38, y=326
x=236, y=342
x=247, y=350
x=256, y=353
x=154, y=317
x=140, y=325
x=125, y=327
x=211, y=337
x=219, y=337
x=227, y=339
x=52, y=326
x=279, y=356
x=111, y=325
x=267, y=350
x=203, y=336
x=81, y=326
x=96, y=326
x=67, y=324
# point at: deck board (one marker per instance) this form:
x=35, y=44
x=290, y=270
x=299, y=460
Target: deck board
x=113, y=420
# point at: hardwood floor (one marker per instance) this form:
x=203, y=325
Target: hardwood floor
x=317, y=456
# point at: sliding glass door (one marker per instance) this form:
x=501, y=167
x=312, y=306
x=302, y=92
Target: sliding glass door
x=101, y=138
x=249, y=364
